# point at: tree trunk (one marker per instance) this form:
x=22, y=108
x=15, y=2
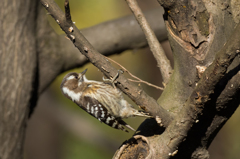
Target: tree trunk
x=18, y=65
x=198, y=32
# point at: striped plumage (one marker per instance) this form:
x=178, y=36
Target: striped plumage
x=99, y=99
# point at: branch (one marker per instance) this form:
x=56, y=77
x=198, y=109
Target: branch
x=199, y=106
x=121, y=37
x=157, y=50
x=134, y=92
x=53, y=59
x=138, y=80
x=226, y=104
x=180, y=139
x=67, y=12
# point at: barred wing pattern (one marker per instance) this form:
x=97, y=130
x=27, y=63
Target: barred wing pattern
x=99, y=111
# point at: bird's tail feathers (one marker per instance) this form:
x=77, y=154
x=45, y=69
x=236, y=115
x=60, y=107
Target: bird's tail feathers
x=122, y=123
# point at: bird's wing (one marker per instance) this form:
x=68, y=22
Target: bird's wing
x=99, y=111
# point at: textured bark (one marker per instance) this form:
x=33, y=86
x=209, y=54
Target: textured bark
x=18, y=69
x=203, y=36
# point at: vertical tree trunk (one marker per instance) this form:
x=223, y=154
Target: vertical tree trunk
x=18, y=65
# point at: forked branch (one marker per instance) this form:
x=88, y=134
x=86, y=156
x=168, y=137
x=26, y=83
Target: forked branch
x=138, y=80
x=201, y=103
x=97, y=59
x=157, y=50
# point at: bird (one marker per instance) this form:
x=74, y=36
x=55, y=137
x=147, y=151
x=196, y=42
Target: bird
x=102, y=100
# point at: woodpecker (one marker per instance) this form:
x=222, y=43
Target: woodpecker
x=100, y=99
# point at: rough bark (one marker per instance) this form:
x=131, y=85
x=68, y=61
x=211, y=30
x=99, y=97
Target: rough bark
x=198, y=93
x=32, y=55
x=18, y=69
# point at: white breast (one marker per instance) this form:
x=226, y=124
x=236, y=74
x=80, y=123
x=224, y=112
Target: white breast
x=73, y=95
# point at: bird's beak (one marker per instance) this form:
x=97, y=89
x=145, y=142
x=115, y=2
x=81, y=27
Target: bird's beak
x=81, y=76
x=83, y=73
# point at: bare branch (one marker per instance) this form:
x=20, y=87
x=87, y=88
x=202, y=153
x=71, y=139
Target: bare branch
x=64, y=56
x=67, y=12
x=134, y=92
x=180, y=139
x=157, y=50
x=120, y=36
x=137, y=79
x=199, y=106
x=226, y=104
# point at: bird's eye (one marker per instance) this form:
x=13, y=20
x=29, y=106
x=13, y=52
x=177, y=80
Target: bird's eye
x=76, y=77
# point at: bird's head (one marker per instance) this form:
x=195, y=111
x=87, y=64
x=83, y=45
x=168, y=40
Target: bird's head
x=73, y=80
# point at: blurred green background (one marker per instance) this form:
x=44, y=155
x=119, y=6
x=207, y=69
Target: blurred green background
x=59, y=129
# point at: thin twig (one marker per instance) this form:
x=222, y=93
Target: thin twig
x=67, y=11
x=141, y=81
x=158, y=52
x=138, y=79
